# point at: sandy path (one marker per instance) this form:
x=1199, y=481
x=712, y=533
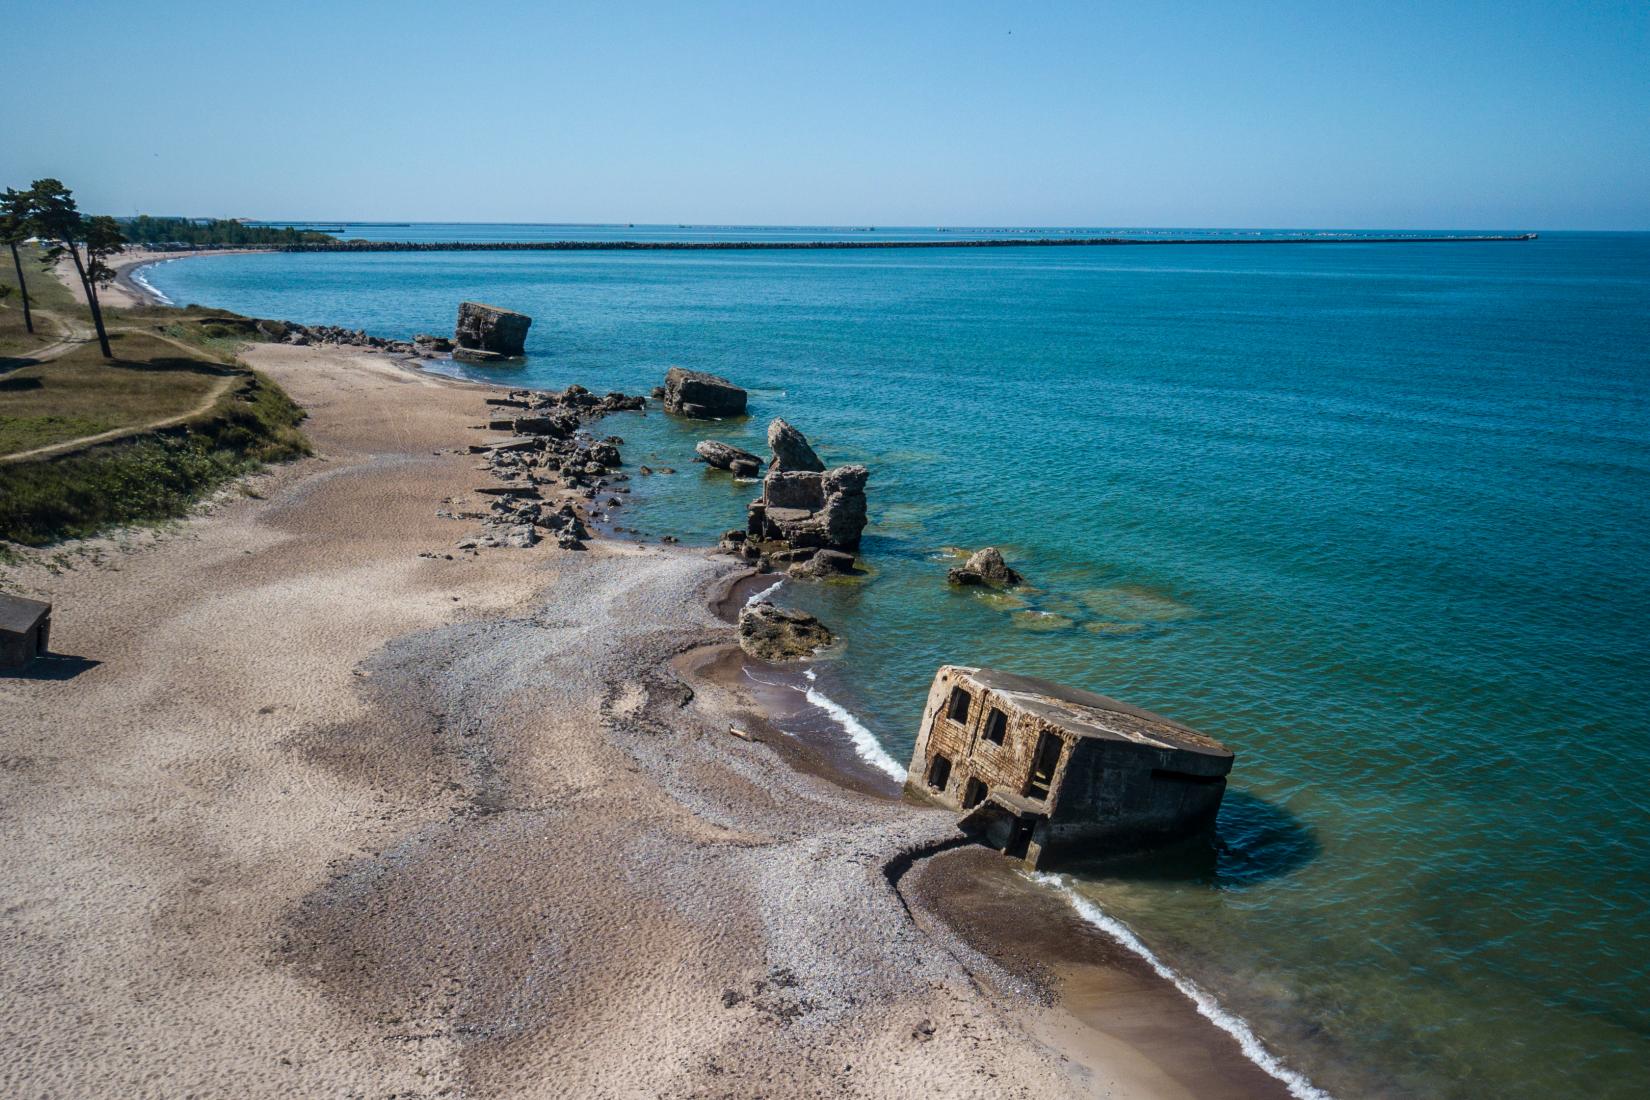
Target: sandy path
x=329, y=817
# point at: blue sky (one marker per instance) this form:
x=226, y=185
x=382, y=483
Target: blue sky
x=1437, y=115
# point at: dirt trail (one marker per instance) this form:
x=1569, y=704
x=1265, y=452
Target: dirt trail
x=77, y=335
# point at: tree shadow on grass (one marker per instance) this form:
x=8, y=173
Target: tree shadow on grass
x=177, y=363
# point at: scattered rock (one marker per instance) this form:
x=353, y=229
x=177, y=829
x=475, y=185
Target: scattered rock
x=985, y=567
x=823, y=563
x=723, y=456
x=700, y=395
x=495, y=333
x=428, y=345
x=772, y=633
x=791, y=450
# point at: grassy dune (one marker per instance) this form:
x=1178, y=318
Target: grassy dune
x=192, y=417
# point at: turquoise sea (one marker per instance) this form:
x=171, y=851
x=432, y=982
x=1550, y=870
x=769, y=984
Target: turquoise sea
x=1377, y=516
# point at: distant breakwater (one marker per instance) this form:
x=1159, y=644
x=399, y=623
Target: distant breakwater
x=773, y=246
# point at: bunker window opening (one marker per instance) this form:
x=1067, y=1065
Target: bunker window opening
x=996, y=726
x=973, y=793
x=957, y=710
x=1043, y=764
x=939, y=773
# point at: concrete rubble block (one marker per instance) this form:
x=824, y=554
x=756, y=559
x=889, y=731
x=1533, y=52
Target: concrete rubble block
x=700, y=395
x=486, y=333
x=772, y=633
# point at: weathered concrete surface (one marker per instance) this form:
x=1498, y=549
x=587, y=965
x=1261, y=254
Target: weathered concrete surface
x=985, y=567
x=1049, y=771
x=724, y=456
x=489, y=332
x=772, y=633
x=791, y=449
x=702, y=396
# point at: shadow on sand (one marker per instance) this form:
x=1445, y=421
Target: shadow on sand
x=50, y=666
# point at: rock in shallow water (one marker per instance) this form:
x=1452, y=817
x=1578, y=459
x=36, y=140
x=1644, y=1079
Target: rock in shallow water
x=722, y=456
x=791, y=450
x=705, y=396
x=487, y=333
x=985, y=567
x=772, y=633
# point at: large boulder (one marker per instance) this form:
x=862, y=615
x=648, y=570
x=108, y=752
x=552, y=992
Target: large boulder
x=723, y=456
x=704, y=396
x=790, y=449
x=772, y=633
x=487, y=333
x=985, y=567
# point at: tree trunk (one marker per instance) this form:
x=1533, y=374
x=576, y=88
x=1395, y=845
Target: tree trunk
x=91, y=300
x=17, y=262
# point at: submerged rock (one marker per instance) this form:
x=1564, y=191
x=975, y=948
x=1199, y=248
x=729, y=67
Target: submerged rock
x=704, y=396
x=772, y=633
x=487, y=333
x=722, y=456
x=985, y=567
x=823, y=563
x=791, y=450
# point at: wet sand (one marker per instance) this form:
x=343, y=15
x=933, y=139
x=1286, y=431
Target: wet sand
x=311, y=808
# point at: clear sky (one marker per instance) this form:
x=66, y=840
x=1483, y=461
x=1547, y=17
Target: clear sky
x=1506, y=115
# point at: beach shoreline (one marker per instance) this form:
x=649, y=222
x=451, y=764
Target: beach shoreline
x=784, y=931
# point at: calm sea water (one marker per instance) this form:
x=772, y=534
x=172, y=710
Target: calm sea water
x=1376, y=516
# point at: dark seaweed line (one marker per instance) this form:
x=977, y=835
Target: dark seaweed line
x=771, y=246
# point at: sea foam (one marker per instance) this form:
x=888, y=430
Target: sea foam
x=865, y=742
x=1207, y=1006
x=758, y=597
x=140, y=280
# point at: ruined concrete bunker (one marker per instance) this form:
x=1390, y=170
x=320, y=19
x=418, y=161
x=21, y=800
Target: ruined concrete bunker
x=1047, y=772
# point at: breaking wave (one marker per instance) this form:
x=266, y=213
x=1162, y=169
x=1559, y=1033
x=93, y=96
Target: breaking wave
x=1207, y=1006
x=140, y=280
x=758, y=597
x=865, y=742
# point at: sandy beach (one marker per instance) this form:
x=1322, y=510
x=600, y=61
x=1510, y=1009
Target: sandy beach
x=313, y=803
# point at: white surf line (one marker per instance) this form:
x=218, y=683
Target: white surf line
x=140, y=280
x=765, y=593
x=865, y=742
x=1207, y=1006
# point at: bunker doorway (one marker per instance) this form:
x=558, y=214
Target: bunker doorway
x=973, y=793
x=1047, y=758
x=1019, y=841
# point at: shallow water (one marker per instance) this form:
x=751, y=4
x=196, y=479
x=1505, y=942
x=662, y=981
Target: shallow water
x=1374, y=515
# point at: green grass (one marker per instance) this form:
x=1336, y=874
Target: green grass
x=148, y=477
x=82, y=393
x=154, y=477
x=45, y=292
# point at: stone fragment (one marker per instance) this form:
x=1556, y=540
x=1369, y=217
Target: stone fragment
x=722, y=456
x=791, y=450
x=703, y=396
x=498, y=333
x=985, y=567
x=772, y=633
x=823, y=563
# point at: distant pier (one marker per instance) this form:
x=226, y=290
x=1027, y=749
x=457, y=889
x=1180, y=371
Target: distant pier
x=776, y=246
